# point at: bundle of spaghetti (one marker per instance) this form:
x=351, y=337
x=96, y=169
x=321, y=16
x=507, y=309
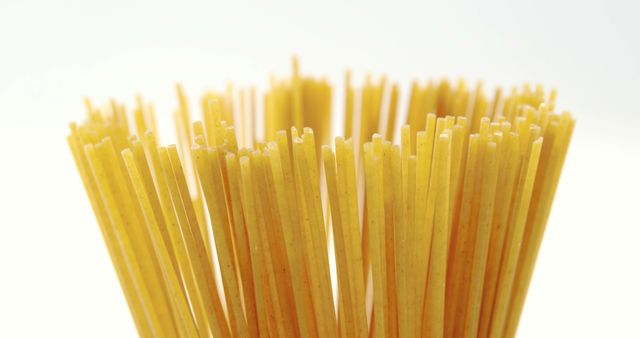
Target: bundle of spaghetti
x=225, y=235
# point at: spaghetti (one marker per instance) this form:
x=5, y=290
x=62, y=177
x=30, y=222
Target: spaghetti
x=225, y=235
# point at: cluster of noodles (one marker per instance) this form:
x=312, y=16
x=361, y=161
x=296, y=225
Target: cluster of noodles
x=224, y=235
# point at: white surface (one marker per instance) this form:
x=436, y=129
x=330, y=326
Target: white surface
x=56, y=279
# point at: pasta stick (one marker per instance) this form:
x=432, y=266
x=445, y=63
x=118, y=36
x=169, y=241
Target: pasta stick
x=434, y=308
x=512, y=247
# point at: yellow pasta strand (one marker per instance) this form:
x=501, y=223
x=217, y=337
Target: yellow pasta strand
x=434, y=302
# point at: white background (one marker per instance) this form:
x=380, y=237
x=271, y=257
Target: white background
x=56, y=279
